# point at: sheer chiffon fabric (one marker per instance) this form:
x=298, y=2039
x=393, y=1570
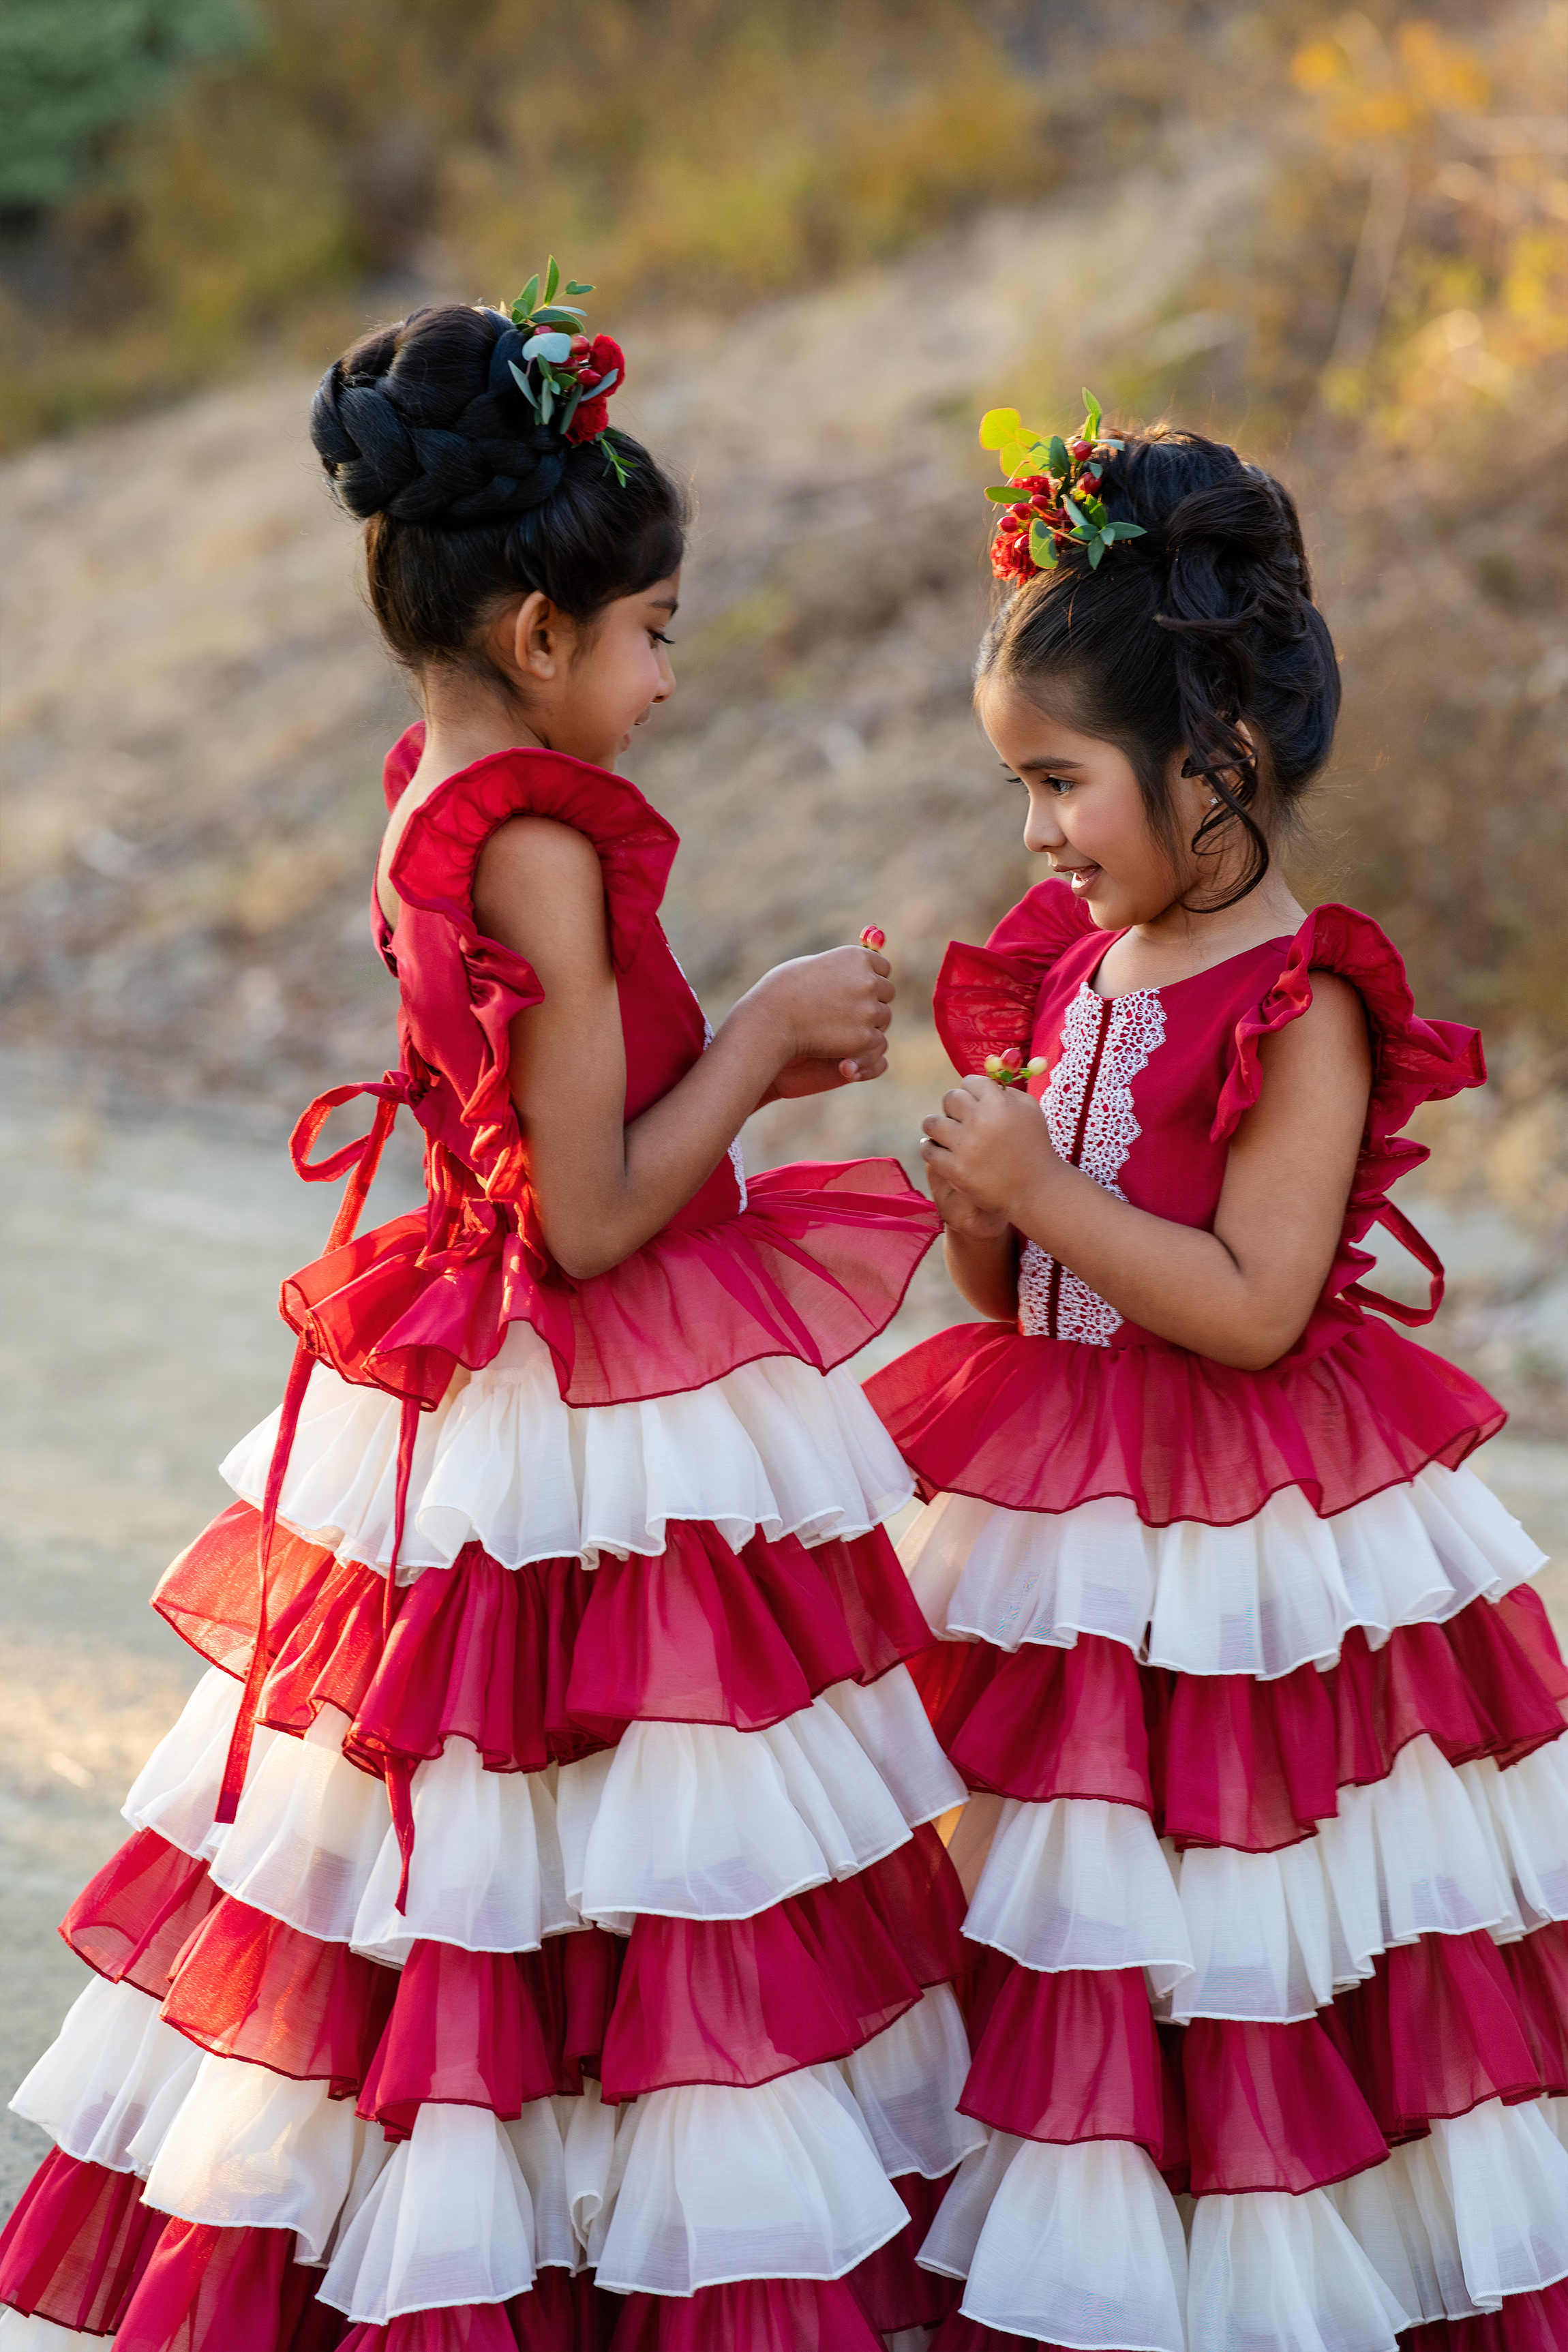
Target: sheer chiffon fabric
x=666, y=1998
x=732, y=1918
x=1292, y=1945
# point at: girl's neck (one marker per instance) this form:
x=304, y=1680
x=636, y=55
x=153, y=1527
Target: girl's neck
x=1178, y=944
x=460, y=727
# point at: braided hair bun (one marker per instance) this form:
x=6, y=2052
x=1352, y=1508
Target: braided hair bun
x=468, y=498
x=1202, y=628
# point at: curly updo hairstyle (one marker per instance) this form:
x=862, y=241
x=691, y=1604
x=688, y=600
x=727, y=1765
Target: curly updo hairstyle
x=467, y=501
x=1181, y=638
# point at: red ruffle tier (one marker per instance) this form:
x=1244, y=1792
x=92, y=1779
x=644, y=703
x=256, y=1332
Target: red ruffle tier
x=1526, y=2323
x=546, y=1663
x=1227, y=1759
x=1228, y=2108
x=737, y=2002
x=815, y=1265
x=1047, y=1424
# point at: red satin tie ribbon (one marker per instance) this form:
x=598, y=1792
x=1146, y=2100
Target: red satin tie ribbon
x=1395, y=1220
x=361, y=1157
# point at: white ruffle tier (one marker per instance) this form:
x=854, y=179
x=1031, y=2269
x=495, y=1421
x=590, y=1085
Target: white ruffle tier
x=681, y=2189
x=1475, y=2211
x=1082, y=1884
x=1084, y=2244
x=1087, y=2238
x=776, y=1446
x=689, y=1820
x=19, y=2333
x=1262, y=1598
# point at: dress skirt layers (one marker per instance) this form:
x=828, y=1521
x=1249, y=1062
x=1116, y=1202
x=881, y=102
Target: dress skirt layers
x=578, y=1965
x=1265, y=1853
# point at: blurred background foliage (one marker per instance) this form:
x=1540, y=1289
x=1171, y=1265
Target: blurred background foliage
x=832, y=233
x=186, y=178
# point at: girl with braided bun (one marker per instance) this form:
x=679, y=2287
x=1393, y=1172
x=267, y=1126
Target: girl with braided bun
x=534, y=1933
x=1266, y=1847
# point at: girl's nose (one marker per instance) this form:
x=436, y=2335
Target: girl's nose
x=1041, y=830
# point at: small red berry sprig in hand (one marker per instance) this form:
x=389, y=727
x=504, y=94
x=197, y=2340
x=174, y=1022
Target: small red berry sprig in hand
x=566, y=376
x=874, y=938
x=1010, y=1069
x=1051, y=495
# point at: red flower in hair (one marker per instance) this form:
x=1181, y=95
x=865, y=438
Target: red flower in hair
x=604, y=358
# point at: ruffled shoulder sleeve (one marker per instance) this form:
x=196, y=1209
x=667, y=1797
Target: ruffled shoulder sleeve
x=985, y=998
x=1412, y=1061
x=439, y=852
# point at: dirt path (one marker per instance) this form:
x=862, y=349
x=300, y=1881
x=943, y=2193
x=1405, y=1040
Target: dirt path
x=140, y=1339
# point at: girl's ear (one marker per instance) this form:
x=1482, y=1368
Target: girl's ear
x=535, y=634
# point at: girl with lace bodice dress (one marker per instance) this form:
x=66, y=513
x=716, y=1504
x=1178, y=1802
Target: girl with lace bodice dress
x=533, y=1933
x=1266, y=1849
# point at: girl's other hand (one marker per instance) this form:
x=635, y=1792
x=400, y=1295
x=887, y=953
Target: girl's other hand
x=825, y=1018
x=956, y=1209
x=988, y=1148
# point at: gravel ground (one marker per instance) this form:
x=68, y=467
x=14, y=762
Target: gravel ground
x=140, y=1337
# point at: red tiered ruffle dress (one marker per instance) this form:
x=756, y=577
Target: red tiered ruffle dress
x=576, y=1964
x=1268, y=1856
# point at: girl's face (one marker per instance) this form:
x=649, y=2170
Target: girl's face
x=1086, y=812
x=586, y=690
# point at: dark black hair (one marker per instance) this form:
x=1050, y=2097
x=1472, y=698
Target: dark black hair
x=467, y=501
x=1179, y=637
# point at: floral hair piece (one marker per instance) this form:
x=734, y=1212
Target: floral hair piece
x=566, y=378
x=1051, y=494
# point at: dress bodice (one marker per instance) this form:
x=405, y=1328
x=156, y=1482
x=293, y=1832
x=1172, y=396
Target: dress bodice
x=456, y=1035
x=809, y=1262
x=1144, y=1091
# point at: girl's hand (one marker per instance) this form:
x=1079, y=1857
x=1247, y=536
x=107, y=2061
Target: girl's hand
x=989, y=1149
x=956, y=1209
x=825, y=1018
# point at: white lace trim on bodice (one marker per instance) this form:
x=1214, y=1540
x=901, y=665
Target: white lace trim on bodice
x=1087, y=1105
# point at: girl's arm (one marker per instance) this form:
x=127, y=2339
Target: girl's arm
x=1241, y=1294
x=603, y=1187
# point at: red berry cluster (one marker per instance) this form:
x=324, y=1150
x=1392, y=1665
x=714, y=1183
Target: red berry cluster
x=1041, y=503
x=590, y=362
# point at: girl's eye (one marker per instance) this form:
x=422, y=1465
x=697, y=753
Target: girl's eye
x=1057, y=785
x=659, y=639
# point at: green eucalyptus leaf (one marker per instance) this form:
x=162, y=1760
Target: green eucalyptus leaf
x=1092, y=415
x=572, y=288
x=523, y=386
x=552, y=348
x=1124, y=530
x=557, y=313
x=606, y=383
x=570, y=411
x=1095, y=550
x=1042, y=547
x=1059, y=457
x=546, y=402
x=528, y=297
x=1004, y=493
x=551, y=278
x=1072, y=507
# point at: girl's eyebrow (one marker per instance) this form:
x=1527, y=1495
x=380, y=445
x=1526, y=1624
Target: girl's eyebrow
x=1053, y=764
